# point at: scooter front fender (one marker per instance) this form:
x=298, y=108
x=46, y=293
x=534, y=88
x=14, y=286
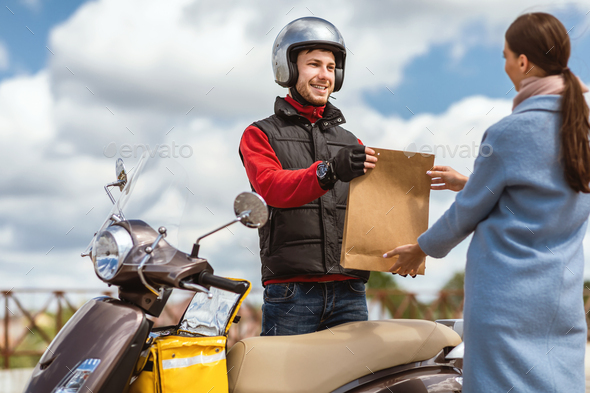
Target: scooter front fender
x=104, y=328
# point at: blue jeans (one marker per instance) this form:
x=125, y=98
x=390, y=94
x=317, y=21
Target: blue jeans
x=299, y=308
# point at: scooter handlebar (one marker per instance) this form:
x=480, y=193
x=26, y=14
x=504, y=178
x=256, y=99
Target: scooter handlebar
x=208, y=279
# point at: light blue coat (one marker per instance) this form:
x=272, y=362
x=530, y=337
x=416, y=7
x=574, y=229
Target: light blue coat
x=525, y=328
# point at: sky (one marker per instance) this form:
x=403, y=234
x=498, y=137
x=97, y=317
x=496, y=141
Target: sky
x=78, y=80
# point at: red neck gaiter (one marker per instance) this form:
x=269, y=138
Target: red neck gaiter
x=311, y=113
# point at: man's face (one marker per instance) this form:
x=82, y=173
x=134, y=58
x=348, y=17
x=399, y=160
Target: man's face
x=316, y=75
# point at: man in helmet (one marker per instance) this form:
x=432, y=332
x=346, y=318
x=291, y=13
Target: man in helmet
x=300, y=161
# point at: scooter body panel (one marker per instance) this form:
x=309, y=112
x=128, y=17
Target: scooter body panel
x=408, y=379
x=104, y=328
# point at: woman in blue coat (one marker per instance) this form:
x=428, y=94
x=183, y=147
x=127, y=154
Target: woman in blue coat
x=527, y=205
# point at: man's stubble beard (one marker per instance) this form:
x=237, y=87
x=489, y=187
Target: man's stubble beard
x=304, y=89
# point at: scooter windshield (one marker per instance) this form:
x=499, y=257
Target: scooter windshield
x=209, y=316
x=156, y=192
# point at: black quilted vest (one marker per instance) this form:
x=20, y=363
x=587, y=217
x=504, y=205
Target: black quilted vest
x=305, y=240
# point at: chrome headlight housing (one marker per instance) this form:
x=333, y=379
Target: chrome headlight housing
x=110, y=249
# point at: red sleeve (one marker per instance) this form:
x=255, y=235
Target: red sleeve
x=279, y=187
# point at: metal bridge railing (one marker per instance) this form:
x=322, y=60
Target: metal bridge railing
x=27, y=329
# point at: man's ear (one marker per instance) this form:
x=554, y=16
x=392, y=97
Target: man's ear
x=294, y=74
x=293, y=70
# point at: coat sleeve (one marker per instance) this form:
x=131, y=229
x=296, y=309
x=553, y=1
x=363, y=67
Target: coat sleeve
x=473, y=204
x=279, y=187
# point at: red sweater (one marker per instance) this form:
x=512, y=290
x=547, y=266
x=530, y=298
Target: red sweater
x=283, y=188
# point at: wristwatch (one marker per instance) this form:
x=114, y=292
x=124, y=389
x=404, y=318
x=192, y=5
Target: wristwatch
x=326, y=176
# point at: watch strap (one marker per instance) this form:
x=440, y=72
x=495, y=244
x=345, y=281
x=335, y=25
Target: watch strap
x=328, y=180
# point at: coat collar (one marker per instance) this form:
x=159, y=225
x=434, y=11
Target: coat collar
x=551, y=103
x=331, y=117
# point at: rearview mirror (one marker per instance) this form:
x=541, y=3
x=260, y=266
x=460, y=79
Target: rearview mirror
x=121, y=173
x=251, y=209
x=121, y=179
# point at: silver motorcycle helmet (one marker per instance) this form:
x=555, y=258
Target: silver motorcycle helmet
x=306, y=33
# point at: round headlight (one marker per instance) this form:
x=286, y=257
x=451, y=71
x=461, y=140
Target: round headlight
x=111, y=246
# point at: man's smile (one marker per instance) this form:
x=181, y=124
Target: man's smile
x=319, y=89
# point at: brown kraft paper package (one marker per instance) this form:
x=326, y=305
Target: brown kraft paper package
x=387, y=208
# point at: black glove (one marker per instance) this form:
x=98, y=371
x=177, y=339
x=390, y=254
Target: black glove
x=349, y=162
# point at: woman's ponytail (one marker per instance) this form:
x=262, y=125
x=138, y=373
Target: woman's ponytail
x=575, y=145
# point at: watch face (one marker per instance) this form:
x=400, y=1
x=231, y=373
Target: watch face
x=322, y=170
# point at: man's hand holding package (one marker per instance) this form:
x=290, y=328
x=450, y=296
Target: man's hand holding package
x=352, y=161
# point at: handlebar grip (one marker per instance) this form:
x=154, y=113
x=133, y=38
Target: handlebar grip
x=208, y=279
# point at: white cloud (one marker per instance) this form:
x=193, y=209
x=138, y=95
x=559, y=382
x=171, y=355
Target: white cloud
x=26, y=110
x=170, y=57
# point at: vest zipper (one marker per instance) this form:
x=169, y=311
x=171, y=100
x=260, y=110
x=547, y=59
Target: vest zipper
x=324, y=239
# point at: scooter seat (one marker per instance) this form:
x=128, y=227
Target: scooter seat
x=324, y=361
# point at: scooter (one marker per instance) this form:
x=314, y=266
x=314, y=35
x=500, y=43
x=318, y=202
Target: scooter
x=110, y=345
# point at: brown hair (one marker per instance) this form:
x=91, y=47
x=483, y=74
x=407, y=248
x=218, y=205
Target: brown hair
x=543, y=39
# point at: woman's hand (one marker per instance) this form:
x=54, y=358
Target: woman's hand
x=446, y=178
x=410, y=258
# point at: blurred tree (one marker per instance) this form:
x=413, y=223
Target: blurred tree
x=450, y=299
x=399, y=303
x=456, y=282
x=381, y=280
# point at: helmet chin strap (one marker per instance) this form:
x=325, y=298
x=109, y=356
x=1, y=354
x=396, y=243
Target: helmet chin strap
x=299, y=98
